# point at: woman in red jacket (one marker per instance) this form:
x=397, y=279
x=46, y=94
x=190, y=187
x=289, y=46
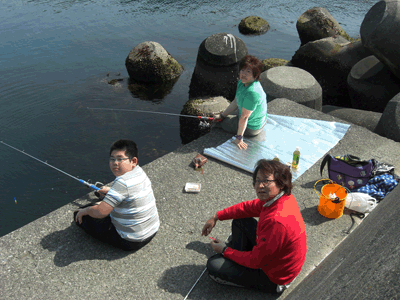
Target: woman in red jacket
x=268, y=254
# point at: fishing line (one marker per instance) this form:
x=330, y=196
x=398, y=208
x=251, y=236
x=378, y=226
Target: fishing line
x=92, y=186
x=195, y=283
x=201, y=275
x=152, y=112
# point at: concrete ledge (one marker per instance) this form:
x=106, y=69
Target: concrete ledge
x=367, y=119
x=53, y=259
x=366, y=265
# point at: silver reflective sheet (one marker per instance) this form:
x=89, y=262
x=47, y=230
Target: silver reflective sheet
x=281, y=136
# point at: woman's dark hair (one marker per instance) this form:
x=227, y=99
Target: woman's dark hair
x=281, y=173
x=252, y=63
x=129, y=146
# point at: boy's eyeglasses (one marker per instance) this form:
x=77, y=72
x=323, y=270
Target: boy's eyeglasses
x=118, y=159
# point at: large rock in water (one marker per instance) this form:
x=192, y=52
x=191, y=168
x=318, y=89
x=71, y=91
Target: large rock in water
x=317, y=23
x=253, y=25
x=380, y=33
x=150, y=62
x=330, y=60
x=217, y=67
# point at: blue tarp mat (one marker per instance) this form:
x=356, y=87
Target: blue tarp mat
x=281, y=135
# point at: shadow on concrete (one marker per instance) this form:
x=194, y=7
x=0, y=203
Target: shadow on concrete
x=72, y=245
x=171, y=279
x=312, y=217
x=202, y=248
x=309, y=185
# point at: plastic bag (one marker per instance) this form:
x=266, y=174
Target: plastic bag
x=360, y=202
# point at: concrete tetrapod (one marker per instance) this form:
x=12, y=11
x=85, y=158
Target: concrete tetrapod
x=380, y=33
x=371, y=84
x=217, y=67
x=294, y=84
x=317, y=23
x=390, y=119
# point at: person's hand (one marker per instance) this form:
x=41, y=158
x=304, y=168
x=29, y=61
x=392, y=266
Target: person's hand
x=217, y=118
x=80, y=214
x=217, y=245
x=210, y=224
x=240, y=144
x=102, y=192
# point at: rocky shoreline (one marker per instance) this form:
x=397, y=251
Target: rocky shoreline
x=357, y=80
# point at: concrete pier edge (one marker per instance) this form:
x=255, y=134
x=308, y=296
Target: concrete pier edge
x=51, y=258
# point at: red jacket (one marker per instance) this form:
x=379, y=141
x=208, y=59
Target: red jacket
x=281, y=238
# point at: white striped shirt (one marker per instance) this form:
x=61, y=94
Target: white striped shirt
x=135, y=215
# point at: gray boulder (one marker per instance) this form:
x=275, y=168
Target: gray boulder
x=390, y=119
x=253, y=25
x=317, y=23
x=150, y=62
x=330, y=60
x=371, y=84
x=217, y=67
x=294, y=84
x=380, y=33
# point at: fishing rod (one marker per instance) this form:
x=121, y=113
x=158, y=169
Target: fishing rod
x=152, y=112
x=92, y=186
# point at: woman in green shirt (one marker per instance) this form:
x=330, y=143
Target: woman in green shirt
x=247, y=113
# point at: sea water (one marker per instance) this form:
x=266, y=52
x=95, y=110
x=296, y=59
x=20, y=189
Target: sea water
x=56, y=57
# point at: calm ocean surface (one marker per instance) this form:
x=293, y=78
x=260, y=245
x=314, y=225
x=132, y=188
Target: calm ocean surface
x=54, y=59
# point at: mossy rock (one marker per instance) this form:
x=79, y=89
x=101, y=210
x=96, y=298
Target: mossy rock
x=205, y=107
x=317, y=23
x=190, y=128
x=150, y=62
x=273, y=62
x=253, y=25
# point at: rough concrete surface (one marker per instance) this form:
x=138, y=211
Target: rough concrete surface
x=366, y=265
x=51, y=258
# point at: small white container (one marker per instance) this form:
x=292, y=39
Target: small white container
x=192, y=187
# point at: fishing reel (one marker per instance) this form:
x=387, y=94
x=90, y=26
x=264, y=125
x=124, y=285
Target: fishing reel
x=98, y=184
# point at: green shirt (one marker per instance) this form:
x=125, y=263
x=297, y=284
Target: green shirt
x=252, y=97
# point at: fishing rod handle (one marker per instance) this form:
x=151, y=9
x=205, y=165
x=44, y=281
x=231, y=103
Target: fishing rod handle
x=92, y=186
x=205, y=118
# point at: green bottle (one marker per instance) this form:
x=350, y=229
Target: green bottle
x=296, y=158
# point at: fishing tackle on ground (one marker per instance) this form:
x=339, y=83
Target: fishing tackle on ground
x=152, y=112
x=92, y=186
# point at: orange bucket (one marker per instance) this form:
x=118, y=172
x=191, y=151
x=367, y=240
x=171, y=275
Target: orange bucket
x=332, y=199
